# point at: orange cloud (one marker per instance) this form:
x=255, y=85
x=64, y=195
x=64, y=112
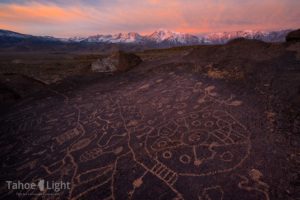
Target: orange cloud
x=43, y=19
x=37, y=12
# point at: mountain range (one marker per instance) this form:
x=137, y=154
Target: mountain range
x=176, y=38
x=159, y=38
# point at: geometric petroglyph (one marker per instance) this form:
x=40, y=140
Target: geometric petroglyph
x=218, y=141
x=190, y=143
x=175, y=128
x=164, y=173
x=91, y=154
x=68, y=135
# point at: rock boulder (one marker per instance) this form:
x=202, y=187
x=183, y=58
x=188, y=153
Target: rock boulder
x=117, y=61
x=293, y=36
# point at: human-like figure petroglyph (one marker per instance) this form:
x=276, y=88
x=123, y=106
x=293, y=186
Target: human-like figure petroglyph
x=254, y=183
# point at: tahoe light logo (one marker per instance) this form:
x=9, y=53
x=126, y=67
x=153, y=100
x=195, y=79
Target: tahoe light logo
x=42, y=186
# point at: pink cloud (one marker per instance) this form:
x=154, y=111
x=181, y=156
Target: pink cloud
x=145, y=16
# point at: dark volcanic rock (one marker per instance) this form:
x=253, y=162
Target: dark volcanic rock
x=118, y=61
x=125, y=61
x=14, y=87
x=293, y=36
x=244, y=41
x=169, y=130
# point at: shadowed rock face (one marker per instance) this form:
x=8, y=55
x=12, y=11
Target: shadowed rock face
x=293, y=36
x=163, y=130
x=14, y=87
x=125, y=61
x=118, y=61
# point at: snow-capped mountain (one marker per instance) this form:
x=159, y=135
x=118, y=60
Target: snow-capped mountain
x=157, y=39
x=160, y=36
x=172, y=37
x=130, y=37
x=127, y=38
x=223, y=37
x=75, y=39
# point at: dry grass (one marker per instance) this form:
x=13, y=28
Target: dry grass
x=154, y=54
x=46, y=67
x=217, y=74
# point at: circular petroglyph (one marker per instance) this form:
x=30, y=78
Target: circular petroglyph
x=185, y=159
x=194, y=116
x=213, y=140
x=167, y=154
x=196, y=123
x=226, y=156
x=209, y=124
x=195, y=137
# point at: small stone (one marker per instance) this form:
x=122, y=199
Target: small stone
x=137, y=182
x=197, y=162
x=255, y=174
x=235, y=103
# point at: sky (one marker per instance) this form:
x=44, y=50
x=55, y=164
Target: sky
x=68, y=18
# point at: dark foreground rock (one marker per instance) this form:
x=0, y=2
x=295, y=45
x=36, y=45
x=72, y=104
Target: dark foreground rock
x=293, y=36
x=15, y=87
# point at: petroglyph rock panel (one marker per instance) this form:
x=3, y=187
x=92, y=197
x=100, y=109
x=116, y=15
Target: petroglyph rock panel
x=131, y=139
